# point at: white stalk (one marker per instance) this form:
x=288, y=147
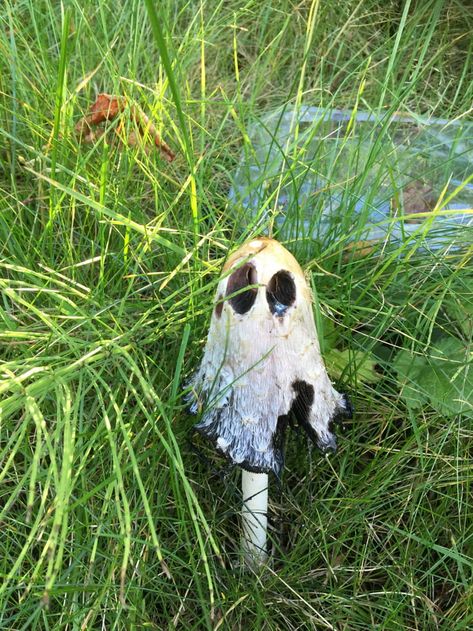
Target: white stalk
x=255, y=516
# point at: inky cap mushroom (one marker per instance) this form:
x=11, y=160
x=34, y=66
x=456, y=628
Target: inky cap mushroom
x=262, y=367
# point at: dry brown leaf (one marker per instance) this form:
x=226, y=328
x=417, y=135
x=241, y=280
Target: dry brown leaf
x=358, y=249
x=417, y=197
x=106, y=108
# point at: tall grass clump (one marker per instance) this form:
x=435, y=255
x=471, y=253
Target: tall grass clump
x=109, y=257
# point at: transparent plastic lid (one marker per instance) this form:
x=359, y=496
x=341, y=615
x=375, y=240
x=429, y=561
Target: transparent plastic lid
x=336, y=175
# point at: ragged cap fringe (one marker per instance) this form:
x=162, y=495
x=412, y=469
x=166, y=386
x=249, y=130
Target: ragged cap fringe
x=262, y=367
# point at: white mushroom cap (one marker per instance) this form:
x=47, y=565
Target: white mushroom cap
x=262, y=365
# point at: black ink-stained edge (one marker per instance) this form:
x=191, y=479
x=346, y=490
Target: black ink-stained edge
x=300, y=411
x=343, y=413
x=301, y=405
x=213, y=438
x=298, y=416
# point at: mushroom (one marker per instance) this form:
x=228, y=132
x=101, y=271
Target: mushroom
x=262, y=370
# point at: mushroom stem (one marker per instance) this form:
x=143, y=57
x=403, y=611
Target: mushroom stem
x=255, y=516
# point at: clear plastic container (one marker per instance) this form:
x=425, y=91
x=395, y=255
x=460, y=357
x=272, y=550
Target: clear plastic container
x=344, y=176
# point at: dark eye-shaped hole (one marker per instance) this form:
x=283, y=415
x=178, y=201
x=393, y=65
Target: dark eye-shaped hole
x=280, y=292
x=241, y=278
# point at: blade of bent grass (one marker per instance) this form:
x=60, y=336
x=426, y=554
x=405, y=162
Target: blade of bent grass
x=60, y=87
x=166, y=61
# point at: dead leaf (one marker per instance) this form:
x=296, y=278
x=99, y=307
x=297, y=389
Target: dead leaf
x=106, y=108
x=146, y=127
x=358, y=249
x=417, y=197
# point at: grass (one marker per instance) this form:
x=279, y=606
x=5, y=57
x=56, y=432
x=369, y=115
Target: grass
x=109, y=260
